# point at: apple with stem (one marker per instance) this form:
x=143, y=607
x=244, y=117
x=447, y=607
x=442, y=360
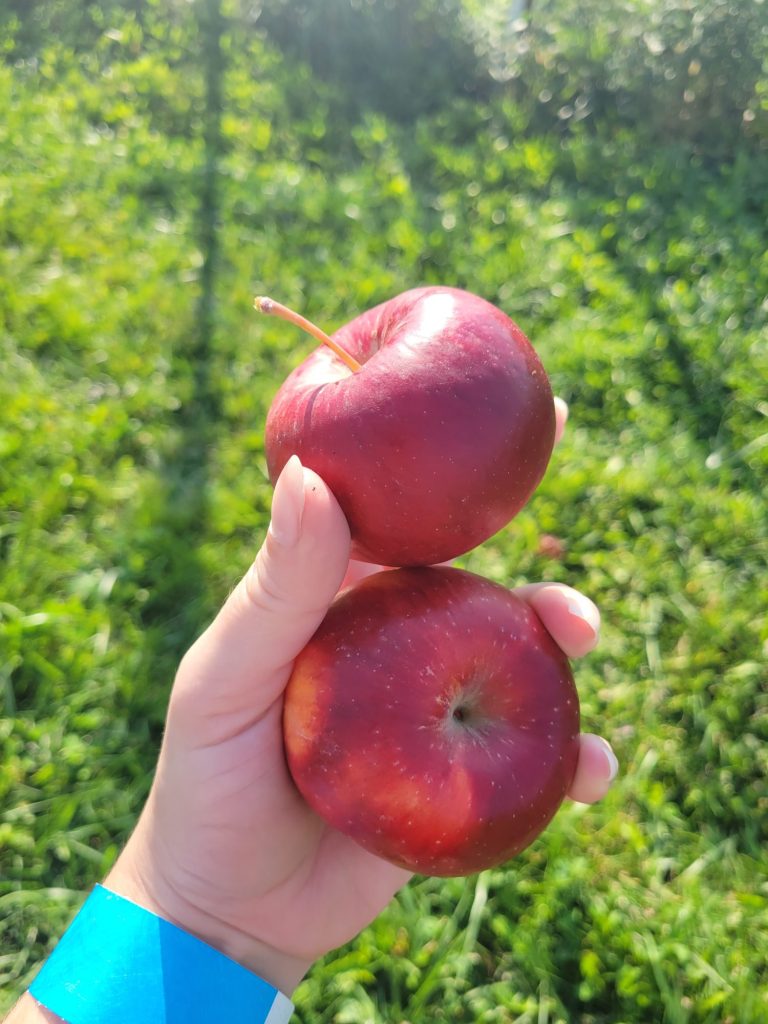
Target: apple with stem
x=430, y=417
x=433, y=719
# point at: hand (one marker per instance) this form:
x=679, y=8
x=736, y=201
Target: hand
x=225, y=847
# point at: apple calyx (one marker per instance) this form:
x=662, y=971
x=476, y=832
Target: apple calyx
x=464, y=716
x=266, y=305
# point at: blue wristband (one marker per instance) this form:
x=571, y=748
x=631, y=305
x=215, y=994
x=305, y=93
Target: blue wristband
x=121, y=964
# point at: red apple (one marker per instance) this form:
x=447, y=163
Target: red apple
x=436, y=440
x=434, y=720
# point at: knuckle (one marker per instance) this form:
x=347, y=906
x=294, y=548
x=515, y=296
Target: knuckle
x=262, y=588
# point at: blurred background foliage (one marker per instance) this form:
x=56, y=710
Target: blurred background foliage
x=597, y=169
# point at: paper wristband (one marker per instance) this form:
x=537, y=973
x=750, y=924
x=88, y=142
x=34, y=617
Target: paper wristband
x=121, y=964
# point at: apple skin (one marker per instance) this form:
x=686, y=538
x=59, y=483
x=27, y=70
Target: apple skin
x=437, y=442
x=433, y=719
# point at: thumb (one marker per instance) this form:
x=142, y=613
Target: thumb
x=242, y=662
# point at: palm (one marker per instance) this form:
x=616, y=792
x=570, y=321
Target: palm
x=258, y=858
x=255, y=856
x=226, y=846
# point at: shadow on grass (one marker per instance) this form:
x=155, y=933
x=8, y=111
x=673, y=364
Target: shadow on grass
x=179, y=604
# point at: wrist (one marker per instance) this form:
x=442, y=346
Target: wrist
x=137, y=879
x=119, y=961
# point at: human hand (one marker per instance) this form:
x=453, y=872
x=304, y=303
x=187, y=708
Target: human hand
x=225, y=847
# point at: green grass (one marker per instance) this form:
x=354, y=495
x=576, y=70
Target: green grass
x=133, y=492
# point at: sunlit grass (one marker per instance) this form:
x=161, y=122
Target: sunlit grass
x=124, y=522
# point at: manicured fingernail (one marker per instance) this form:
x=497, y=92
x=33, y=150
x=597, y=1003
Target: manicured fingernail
x=561, y=407
x=288, y=504
x=611, y=761
x=583, y=608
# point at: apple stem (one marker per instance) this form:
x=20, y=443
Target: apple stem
x=269, y=306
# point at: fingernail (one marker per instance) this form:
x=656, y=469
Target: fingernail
x=288, y=504
x=583, y=608
x=611, y=761
x=562, y=419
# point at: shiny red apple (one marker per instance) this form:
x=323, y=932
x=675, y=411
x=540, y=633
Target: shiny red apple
x=432, y=436
x=434, y=720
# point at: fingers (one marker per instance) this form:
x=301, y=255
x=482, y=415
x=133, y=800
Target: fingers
x=574, y=623
x=597, y=767
x=561, y=418
x=571, y=618
x=243, y=659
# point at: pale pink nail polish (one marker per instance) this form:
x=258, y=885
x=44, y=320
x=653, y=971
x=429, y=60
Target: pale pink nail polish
x=288, y=504
x=584, y=609
x=611, y=761
x=562, y=419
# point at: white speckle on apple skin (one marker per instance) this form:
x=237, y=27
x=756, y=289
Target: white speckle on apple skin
x=522, y=763
x=373, y=435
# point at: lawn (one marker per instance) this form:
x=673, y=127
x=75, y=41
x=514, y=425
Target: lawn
x=150, y=185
